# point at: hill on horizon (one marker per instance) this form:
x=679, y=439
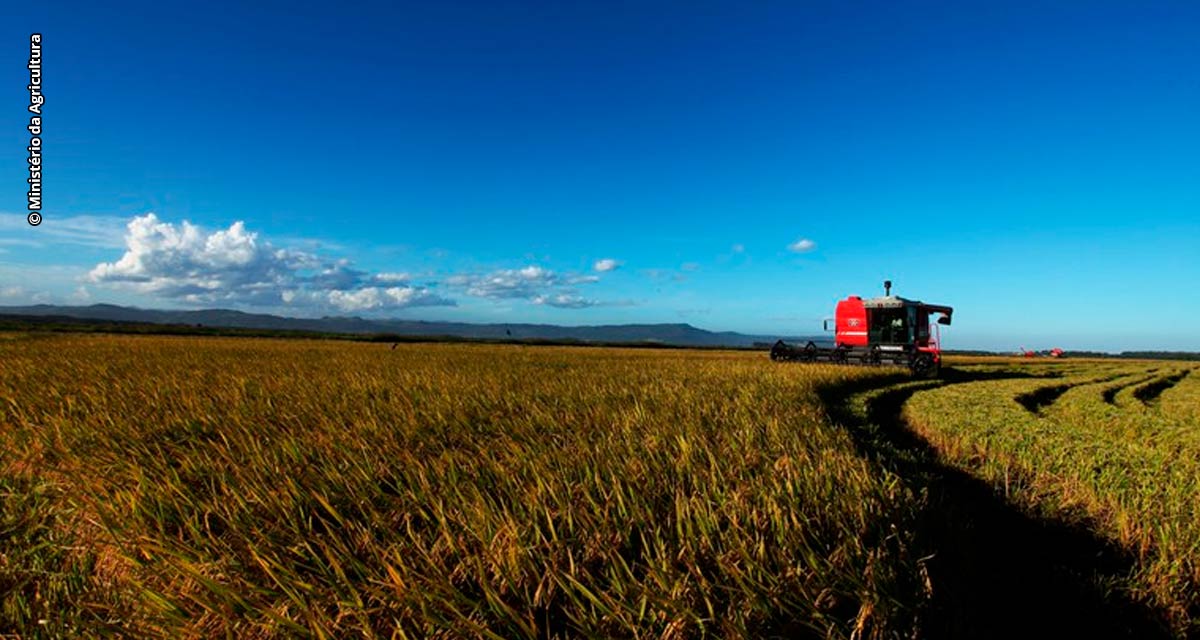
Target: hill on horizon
x=678, y=334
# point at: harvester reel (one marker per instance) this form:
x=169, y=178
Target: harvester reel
x=810, y=352
x=779, y=351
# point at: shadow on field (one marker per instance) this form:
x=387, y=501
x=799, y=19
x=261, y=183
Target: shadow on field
x=994, y=572
x=1110, y=394
x=1034, y=401
x=1150, y=392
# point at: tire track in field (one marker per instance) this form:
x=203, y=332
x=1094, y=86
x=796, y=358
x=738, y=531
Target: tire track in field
x=991, y=570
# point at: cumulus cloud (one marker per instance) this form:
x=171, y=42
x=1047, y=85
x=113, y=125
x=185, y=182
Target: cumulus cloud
x=536, y=284
x=525, y=283
x=803, y=245
x=187, y=263
x=379, y=297
x=606, y=264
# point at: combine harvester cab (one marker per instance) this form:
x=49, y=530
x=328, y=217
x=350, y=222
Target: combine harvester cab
x=888, y=330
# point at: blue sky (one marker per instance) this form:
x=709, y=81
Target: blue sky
x=610, y=162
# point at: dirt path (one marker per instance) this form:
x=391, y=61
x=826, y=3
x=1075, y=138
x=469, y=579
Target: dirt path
x=993, y=572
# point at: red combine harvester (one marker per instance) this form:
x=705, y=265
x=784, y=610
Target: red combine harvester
x=889, y=330
x=1052, y=353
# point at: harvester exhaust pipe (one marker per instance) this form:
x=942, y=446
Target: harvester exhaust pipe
x=887, y=287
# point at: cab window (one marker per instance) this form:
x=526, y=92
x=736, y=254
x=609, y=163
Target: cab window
x=890, y=326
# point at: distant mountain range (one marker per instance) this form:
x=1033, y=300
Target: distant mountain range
x=667, y=334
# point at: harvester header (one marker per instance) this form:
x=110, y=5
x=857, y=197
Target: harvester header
x=888, y=330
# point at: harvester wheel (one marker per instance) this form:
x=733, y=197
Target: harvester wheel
x=923, y=366
x=876, y=355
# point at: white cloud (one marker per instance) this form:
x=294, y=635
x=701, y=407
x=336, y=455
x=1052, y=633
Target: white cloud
x=565, y=301
x=526, y=283
x=606, y=264
x=533, y=283
x=14, y=295
x=534, y=272
x=370, y=298
x=739, y=248
x=803, y=245
x=184, y=262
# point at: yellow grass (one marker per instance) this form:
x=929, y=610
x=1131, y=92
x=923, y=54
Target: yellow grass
x=257, y=488
x=1103, y=450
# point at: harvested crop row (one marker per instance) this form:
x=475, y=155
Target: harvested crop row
x=1131, y=471
x=1096, y=398
x=1138, y=396
x=1182, y=401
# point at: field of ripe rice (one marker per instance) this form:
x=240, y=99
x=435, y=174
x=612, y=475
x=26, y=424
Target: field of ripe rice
x=205, y=487
x=1113, y=446
x=155, y=486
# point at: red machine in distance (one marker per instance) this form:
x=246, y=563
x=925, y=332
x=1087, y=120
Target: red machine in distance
x=888, y=330
x=1056, y=352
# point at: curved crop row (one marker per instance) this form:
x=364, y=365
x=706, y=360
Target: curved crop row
x=1138, y=396
x=1182, y=401
x=1133, y=474
x=1087, y=401
x=1150, y=392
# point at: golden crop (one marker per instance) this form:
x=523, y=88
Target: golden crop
x=203, y=487
x=1103, y=448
